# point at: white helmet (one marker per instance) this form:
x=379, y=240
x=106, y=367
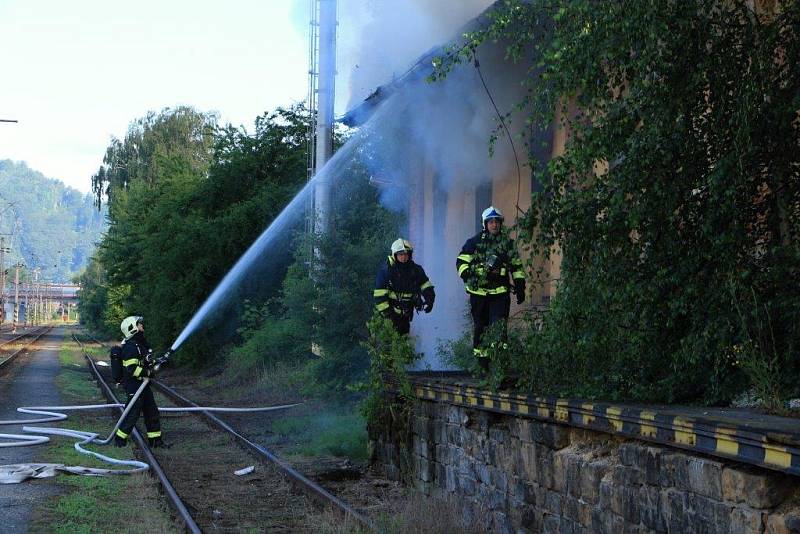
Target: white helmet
x=401, y=245
x=491, y=213
x=128, y=326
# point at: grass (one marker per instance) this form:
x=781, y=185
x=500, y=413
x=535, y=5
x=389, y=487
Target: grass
x=125, y=503
x=325, y=434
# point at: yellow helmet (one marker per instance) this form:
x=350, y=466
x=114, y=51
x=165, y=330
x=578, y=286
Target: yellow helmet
x=128, y=325
x=401, y=245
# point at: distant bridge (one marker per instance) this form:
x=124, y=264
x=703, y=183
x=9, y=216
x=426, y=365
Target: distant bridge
x=46, y=291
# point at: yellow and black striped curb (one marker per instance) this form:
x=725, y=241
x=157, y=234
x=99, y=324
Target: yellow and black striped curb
x=741, y=443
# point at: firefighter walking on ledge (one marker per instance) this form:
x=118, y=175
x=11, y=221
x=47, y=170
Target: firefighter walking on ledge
x=137, y=363
x=489, y=265
x=402, y=287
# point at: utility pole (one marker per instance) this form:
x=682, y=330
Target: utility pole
x=3, y=251
x=36, y=299
x=16, y=297
x=326, y=78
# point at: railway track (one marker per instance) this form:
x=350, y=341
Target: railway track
x=7, y=360
x=269, y=488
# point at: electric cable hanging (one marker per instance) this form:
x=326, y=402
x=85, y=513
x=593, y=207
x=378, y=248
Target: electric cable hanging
x=503, y=123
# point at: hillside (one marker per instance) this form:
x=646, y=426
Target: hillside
x=46, y=223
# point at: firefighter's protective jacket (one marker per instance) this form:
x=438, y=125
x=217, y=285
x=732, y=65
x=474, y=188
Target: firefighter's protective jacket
x=398, y=287
x=489, y=264
x=134, y=353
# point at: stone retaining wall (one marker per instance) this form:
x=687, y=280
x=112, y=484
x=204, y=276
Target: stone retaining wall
x=521, y=475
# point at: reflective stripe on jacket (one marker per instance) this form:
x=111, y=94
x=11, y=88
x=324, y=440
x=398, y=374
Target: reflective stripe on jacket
x=471, y=264
x=397, y=285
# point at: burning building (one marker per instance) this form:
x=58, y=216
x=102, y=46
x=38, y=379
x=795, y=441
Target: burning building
x=431, y=141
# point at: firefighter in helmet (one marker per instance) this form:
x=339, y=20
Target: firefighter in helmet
x=137, y=363
x=490, y=267
x=401, y=287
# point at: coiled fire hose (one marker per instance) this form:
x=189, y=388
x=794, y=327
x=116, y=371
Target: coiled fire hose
x=15, y=473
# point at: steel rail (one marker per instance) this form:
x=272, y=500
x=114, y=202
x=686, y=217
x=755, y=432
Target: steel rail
x=298, y=480
x=303, y=484
x=174, y=499
x=39, y=333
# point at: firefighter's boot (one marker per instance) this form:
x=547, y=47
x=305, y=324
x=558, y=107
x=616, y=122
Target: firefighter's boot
x=119, y=441
x=158, y=443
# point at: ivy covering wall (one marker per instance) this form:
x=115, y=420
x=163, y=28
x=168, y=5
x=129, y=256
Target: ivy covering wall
x=676, y=203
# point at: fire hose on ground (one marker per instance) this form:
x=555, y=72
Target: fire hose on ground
x=15, y=473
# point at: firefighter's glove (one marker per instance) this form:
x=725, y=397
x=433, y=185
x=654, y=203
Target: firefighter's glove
x=519, y=290
x=428, y=305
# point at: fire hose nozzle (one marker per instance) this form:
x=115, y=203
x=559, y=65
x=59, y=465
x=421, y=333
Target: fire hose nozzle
x=163, y=359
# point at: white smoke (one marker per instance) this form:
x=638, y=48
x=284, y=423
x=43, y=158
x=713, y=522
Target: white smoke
x=378, y=40
x=440, y=129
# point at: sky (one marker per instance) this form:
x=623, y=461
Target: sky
x=75, y=74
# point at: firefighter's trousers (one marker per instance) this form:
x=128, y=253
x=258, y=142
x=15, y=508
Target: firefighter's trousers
x=486, y=310
x=401, y=322
x=145, y=403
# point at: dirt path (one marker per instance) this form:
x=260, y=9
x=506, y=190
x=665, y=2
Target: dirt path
x=31, y=382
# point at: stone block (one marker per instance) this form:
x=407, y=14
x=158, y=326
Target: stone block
x=439, y=432
x=529, y=519
x=467, y=486
x=560, y=461
x=551, y=524
x=423, y=469
x=605, y=522
x=442, y=454
x=550, y=435
x=509, y=456
x=552, y=502
x=450, y=478
x=524, y=492
x=566, y=526
x=502, y=524
x=482, y=474
x=783, y=523
x=745, y=521
x=500, y=434
x=544, y=465
x=591, y=475
x=422, y=447
x=630, y=504
x=440, y=474
x=625, y=475
x=466, y=466
x=520, y=428
x=610, y=496
x=499, y=479
x=650, y=509
x=456, y=415
x=677, y=516
x=704, y=477
x=755, y=487
x=529, y=466
x=630, y=453
x=454, y=435
x=497, y=500
x=577, y=510
x=574, y=466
